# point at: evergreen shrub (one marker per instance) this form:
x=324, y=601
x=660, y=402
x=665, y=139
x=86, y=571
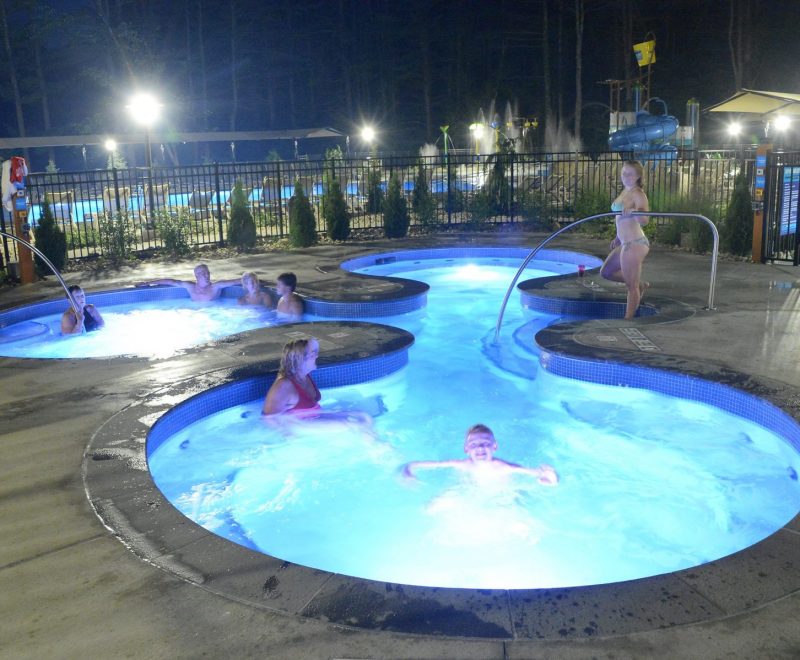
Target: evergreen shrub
x=395, y=211
x=302, y=223
x=51, y=240
x=738, y=225
x=422, y=201
x=241, y=226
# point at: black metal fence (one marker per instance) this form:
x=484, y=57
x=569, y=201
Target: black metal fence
x=459, y=189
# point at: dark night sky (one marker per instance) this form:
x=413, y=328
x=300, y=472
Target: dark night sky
x=406, y=66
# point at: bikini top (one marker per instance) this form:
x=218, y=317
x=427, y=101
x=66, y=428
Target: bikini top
x=617, y=207
x=304, y=400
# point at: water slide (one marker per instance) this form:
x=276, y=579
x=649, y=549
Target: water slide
x=647, y=137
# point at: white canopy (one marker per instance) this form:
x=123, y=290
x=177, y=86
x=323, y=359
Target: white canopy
x=766, y=104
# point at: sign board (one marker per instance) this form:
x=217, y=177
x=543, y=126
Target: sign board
x=759, y=179
x=790, y=194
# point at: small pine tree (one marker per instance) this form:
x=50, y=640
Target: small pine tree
x=374, y=190
x=395, y=211
x=422, y=201
x=302, y=223
x=241, y=226
x=51, y=240
x=738, y=234
x=334, y=207
x=334, y=210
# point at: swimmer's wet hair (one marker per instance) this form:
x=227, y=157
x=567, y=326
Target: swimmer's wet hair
x=289, y=279
x=478, y=428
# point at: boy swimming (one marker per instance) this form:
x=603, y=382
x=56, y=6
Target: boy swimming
x=480, y=446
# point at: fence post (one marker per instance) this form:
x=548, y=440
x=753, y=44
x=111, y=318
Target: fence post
x=449, y=195
x=280, y=196
x=219, y=203
x=116, y=187
x=511, y=201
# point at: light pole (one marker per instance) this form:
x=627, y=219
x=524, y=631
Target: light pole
x=145, y=109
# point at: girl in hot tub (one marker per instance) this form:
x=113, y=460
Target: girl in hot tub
x=87, y=319
x=294, y=396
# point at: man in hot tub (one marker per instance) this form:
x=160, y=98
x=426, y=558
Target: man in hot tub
x=202, y=289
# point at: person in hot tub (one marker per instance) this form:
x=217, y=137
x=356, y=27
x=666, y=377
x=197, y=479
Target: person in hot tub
x=290, y=305
x=294, y=391
x=202, y=289
x=295, y=396
x=253, y=295
x=480, y=446
x=87, y=319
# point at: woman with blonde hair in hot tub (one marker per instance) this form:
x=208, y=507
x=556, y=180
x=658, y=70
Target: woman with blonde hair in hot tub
x=294, y=391
x=630, y=246
x=294, y=396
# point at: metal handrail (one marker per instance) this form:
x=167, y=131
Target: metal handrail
x=49, y=263
x=533, y=252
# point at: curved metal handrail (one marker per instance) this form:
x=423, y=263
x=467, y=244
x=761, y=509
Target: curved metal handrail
x=49, y=263
x=533, y=252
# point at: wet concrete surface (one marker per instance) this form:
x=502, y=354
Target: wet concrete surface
x=72, y=588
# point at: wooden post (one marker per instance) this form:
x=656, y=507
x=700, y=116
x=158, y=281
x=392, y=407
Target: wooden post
x=23, y=231
x=758, y=202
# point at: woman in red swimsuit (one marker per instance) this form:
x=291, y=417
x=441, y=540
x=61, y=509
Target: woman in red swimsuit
x=294, y=391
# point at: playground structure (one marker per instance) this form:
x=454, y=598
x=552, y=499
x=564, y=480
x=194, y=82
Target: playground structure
x=638, y=133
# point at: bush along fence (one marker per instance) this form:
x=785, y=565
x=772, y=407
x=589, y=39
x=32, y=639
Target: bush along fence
x=117, y=212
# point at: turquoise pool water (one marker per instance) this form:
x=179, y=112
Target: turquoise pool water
x=154, y=329
x=649, y=483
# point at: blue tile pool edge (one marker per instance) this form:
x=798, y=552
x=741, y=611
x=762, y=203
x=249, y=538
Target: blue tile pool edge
x=245, y=390
x=722, y=396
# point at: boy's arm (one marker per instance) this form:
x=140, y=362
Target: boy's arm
x=545, y=474
x=408, y=468
x=71, y=324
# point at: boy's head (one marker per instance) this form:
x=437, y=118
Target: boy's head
x=479, y=443
x=286, y=283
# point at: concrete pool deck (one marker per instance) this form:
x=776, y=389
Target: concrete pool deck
x=71, y=588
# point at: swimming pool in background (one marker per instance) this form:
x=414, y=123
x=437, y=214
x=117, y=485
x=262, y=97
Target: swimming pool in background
x=649, y=483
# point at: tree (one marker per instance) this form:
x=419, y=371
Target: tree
x=334, y=207
x=241, y=226
x=51, y=240
x=740, y=44
x=395, y=211
x=422, y=201
x=374, y=190
x=302, y=222
x=738, y=233
x=580, y=14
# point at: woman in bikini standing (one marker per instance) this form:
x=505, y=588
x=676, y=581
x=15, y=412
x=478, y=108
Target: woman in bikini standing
x=294, y=391
x=630, y=246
